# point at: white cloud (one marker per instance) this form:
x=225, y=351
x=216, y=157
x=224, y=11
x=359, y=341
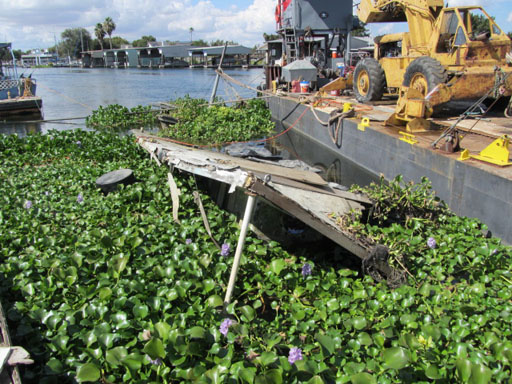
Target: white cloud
x=482, y=3
x=509, y=19
x=456, y=3
x=386, y=28
x=33, y=23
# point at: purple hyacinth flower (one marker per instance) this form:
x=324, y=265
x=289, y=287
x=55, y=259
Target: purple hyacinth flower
x=224, y=326
x=306, y=269
x=157, y=361
x=295, y=355
x=79, y=143
x=28, y=204
x=47, y=193
x=431, y=242
x=80, y=198
x=225, y=249
x=188, y=241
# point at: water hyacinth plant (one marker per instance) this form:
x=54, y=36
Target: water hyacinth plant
x=109, y=290
x=116, y=117
x=197, y=123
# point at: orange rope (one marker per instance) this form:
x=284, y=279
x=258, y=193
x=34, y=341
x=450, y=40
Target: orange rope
x=357, y=107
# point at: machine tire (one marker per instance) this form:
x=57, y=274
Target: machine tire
x=424, y=71
x=369, y=80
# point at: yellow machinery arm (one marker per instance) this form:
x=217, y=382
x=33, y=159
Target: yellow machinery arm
x=419, y=14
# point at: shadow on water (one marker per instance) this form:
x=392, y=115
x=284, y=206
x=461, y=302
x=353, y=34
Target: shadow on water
x=334, y=167
x=21, y=125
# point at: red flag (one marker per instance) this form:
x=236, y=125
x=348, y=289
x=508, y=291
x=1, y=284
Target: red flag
x=286, y=4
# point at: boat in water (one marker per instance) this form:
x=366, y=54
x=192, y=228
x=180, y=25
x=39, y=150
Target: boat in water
x=17, y=92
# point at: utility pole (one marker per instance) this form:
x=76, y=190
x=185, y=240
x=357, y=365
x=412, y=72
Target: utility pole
x=81, y=40
x=56, y=46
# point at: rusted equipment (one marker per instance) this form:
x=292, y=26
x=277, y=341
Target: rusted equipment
x=338, y=84
x=455, y=53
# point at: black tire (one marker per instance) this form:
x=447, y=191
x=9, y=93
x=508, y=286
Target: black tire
x=369, y=80
x=430, y=69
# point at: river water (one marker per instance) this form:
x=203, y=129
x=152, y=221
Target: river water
x=76, y=92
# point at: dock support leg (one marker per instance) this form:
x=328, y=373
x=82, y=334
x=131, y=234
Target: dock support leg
x=240, y=246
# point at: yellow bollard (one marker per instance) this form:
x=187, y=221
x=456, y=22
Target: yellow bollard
x=347, y=107
x=365, y=122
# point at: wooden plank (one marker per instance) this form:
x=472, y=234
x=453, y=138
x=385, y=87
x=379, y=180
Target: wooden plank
x=206, y=157
x=308, y=218
x=5, y=352
x=326, y=190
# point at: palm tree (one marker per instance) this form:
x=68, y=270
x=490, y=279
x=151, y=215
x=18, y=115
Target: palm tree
x=100, y=33
x=109, y=26
x=191, y=30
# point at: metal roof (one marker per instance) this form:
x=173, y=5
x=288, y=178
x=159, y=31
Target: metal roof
x=174, y=50
x=217, y=51
x=180, y=50
x=5, y=45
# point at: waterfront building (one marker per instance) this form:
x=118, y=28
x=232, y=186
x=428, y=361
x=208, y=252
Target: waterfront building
x=159, y=55
x=38, y=57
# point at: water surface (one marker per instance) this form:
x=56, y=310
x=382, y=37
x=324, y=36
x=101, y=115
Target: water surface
x=76, y=92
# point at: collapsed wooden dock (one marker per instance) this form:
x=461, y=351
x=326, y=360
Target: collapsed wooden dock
x=303, y=194
x=300, y=193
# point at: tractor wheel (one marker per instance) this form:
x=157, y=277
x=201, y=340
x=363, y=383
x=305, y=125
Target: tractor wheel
x=424, y=74
x=369, y=80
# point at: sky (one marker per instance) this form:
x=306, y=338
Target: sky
x=31, y=24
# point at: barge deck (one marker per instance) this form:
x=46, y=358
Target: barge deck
x=471, y=188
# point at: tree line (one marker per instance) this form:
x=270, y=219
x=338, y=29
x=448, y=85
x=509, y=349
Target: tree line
x=74, y=40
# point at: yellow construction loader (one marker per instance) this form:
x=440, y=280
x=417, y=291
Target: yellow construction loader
x=455, y=53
